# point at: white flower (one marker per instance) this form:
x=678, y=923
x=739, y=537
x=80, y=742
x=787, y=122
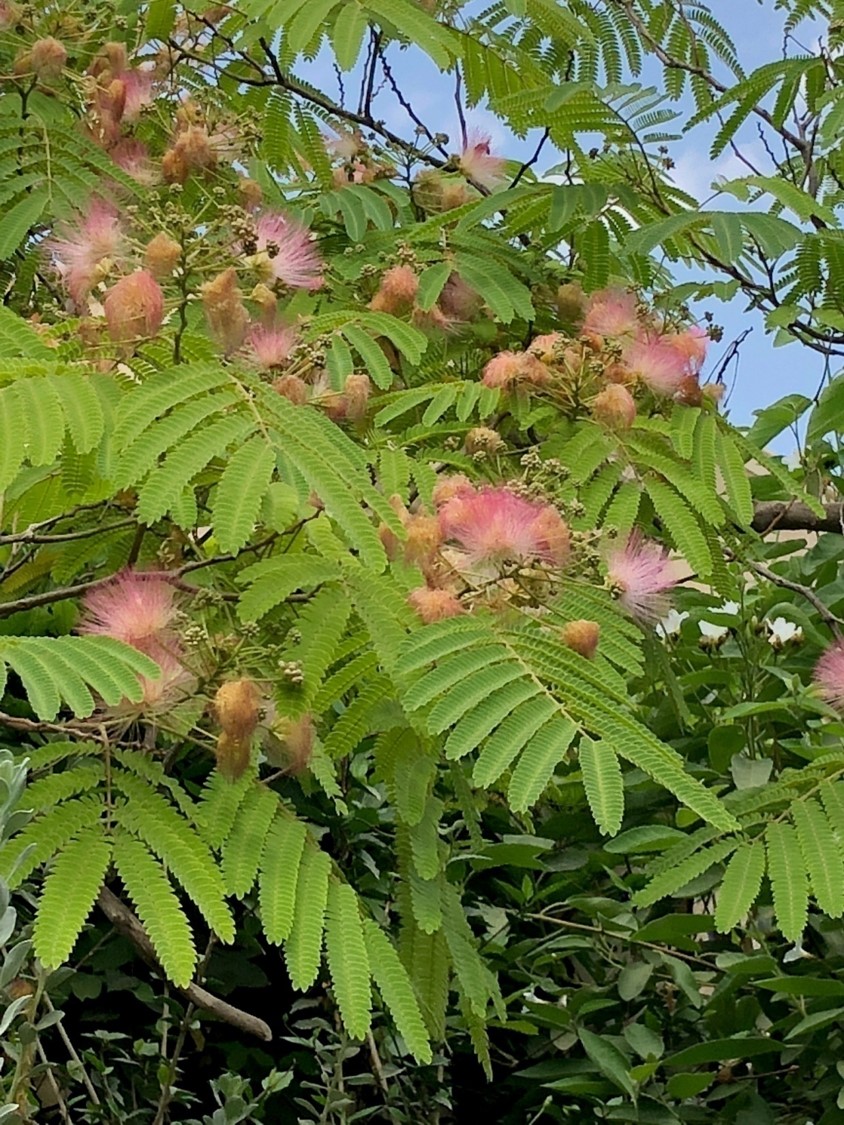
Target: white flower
x=782, y=631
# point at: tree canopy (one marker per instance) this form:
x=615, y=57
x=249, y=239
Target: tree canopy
x=419, y=699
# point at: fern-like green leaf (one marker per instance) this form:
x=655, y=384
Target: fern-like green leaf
x=47, y=834
x=673, y=880
x=821, y=854
x=240, y=493
x=347, y=957
x=396, y=991
x=244, y=845
x=158, y=908
x=302, y=948
x=174, y=840
x=68, y=895
x=537, y=763
x=278, y=878
x=424, y=840
x=740, y=885
x=603, y=784
x=787, y=872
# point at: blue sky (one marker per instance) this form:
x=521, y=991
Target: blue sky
x=762, y=372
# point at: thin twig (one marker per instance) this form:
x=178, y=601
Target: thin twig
x=530, y=163
x=73, y=1053
x=823, y=611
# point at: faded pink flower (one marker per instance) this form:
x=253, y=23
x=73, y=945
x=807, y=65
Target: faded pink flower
x=434, y=605
x=611, y=312
x=133, y=157
x=136, y=608
x=458, y=299
x=829, y=675
x=657, y=363
x=642, y=573
x=477, y=162
x=137, y=82
x=548, y=347
x=691, y=344
x=286, y=250
x=174, y=684
x=509, y=370
x=271, y=345
x=447, y=488
x=134, y=307
x=397, y=291
x=494, y=524
x=80, y=249
x=343, y=145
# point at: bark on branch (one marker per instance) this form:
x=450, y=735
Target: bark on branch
x=780, y=515
x=126, y=923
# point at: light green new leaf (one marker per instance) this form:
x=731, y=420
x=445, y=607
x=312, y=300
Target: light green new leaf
x=740, y=885
x=68, y=896
x=603, y=784
x=348, y=961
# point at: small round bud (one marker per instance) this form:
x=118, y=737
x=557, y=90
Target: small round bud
x=582, y=637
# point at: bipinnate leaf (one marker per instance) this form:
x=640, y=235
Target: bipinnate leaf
x=822, y=855
x=740, y=885
x=279, y=876
x=396, y=990
x=158, y=908
x=240, y=493
x=244, y=845
x=787, y=872
x=68, y=896
x=348, y=961
x=603, y=784
x=302, y=949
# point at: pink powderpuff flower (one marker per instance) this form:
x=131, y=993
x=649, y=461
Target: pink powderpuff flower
x=134, y=307
x=136, y=608
x=691, y=345
x=509, y=370
x=477, y=162
x=343, y=145
x=286, y=250
x=829, y=675
x=657, y=363
x=642, y=573
x=174, y=684
x=137, y=82
x=133, y=157
x=79, y=249
x=494, y=525
x=434, y=605
x=611, y=312
x=271, y=345
x=397, y=291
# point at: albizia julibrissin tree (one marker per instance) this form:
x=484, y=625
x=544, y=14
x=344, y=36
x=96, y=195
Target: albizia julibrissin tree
x=349, y=478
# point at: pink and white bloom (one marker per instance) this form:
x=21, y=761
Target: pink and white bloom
x=174, y=684
x=79, y=250
x=613, y=313
x=829, y=675
x=477, y=162
x=286, y=251
x=643, y=574
x=691, y=344
x=657, y=364
x=271, y=345
x=494, y=525
x=136, y=608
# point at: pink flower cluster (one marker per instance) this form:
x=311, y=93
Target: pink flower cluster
x=642, y=573
x=81, y=252
x=140, y=610
x=669, y=363
x=495, y=525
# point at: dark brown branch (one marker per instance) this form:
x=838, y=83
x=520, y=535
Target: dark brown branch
x=127, y=924
x=779, y=515
x=823, y=611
